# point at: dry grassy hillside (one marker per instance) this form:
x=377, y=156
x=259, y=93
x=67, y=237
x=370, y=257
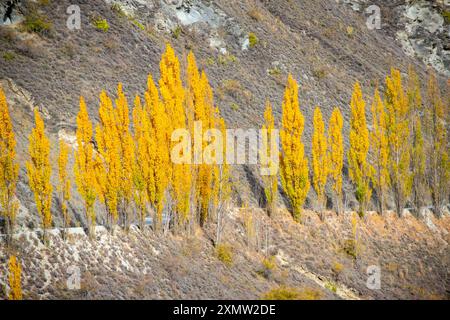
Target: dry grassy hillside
x=247, y=49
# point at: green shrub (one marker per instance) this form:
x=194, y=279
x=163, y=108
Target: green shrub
x=288, y=293
x=176, y=32
x=117, y=8
x=234, y=107
x=252, y=39
x=225, y=254
x=101, y=24
x=350, y=248
x=8, y=56
x=37, y=23
x=446, y=15
x=331, y=286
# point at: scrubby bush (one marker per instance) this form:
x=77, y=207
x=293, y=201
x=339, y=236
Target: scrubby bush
x=225, y=254
x=252, y=39
x=8, y=56
x=176, y=32
x=288, y=293
x=101, y=24
x=35, y=22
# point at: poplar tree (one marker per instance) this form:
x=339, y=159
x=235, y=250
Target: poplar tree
x=336, y=155
x=271, y=179
x=320, y=161
x=64, y=184
x=108, y=164
x=359, y=168
x=39, y=171
x=438, y=164
x=160, y=169
x=293, y=164
x=173, y=98
x=379, y=150
x=85, y=165
x=418, y=160
x=14, y=278
x=398, y=139
x=9, y=169
x=126, y=155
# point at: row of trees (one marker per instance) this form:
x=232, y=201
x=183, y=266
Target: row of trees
x=127, y=165
x=393, y=155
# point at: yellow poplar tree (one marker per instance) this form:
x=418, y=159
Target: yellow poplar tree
x=173, y=98
x=64, y=181
x=293, y=164
x=142, y=171
x=85, y=165
x=359, y=168
x=418, y=160
x=159, y=169
x=107, y=165
x=379, y=150
x=271, y=180
x=336, y=154
x=438, y=166
x=15, y=286
x=398, y=139
x=39, y=171
x=320, y=161
x=126, y=154
x=9, y=169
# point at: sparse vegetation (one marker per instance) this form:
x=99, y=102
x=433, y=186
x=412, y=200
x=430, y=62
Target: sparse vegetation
x=176, y=32
x=225, y=254
x=288, y=293
x=9, y=55
x=36, y=22
x=100, y=24
x=252, y=39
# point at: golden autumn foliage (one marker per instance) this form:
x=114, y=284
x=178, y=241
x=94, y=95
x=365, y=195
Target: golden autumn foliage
x=64, y=184
x=379, y=150
x=398, y=139
x=9, y=169
x=438, y=164
x=126, y=155
x=39, y=171
x=108, y=164
x=293, y=164
x=14, y=278
x=336, y=154
x=359, y=168
x=173, y=97
x=85, y=165
x=157, y=149
x=270, y=180
x=320, y=161
x=418, y=159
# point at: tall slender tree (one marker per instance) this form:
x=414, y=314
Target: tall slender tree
x=64, y=184
x=359, y=168
x=398, y=139
x=108, y=164
x=320, y=161
x=39, y=171
x=294, y=164
x=336, y=155
x=9, y=169
x=271, y=179
x=438, y=166
x=85, y=165
x=418, y=160
x=15, y=282
x=379, y=150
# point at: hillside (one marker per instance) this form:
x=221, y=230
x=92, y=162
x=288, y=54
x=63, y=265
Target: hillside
x=247, y=49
